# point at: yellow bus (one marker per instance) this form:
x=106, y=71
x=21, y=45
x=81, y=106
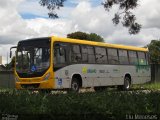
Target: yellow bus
x=62, y=63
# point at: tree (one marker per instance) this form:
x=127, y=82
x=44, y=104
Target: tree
x=154, y=50
x=78, y=35
x=125, y=7
x=95, y=37
x=123, y=15
x=86, y=36
x=52, y=5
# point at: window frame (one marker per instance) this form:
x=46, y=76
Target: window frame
x=128, y=62
x=132, y=57
x=91, y=54
x=106, y=55
x=113, y=56
x=72, y=53
x=118, y=62
x=82, y=45
x=139, y=57
x=67, y=55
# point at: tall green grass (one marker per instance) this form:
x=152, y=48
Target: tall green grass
x=100, y=105
x=149, y=86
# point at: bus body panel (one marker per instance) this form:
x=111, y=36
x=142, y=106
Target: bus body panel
x=100, y=75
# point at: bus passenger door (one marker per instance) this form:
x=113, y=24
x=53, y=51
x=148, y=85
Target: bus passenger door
x=60, y=62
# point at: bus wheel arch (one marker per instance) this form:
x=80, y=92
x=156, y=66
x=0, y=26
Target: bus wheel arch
x=127, y=82
x=76, y=82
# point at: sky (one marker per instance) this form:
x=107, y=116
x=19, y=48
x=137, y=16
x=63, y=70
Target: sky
x=23, y=19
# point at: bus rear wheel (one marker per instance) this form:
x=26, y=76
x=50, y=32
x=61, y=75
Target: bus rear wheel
x=75, y=85
x=127, y=83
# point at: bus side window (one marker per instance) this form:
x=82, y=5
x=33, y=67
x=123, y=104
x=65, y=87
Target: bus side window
x=101, y=56
x=91, y=55
x=123, y=57
x=142, y=58
x=112, y=56
x=76, y=54
x=59, y=58
x=84, y=50
x=133, y=57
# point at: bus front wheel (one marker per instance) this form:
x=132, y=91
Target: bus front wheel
x=75, y=85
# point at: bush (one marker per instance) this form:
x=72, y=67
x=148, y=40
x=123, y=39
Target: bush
x=107, y=104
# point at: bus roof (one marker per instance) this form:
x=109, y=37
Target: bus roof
x=86, y=42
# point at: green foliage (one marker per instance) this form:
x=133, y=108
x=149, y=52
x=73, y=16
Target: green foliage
x=123, y=15
x=52, y=5
x=95, y=37
x=154, y=49
x=78, y=35
x=148, y=86
x=86, y=36
x=100, y=105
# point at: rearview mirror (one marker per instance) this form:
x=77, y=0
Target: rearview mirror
x=11, y=51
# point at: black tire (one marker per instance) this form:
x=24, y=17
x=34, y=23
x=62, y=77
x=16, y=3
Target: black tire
x=75, y=85
x=127, y=83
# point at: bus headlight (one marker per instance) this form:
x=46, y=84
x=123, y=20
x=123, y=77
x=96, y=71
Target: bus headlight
x=47, y=76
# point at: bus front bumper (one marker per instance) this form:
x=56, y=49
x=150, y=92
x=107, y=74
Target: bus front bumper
x=35, y=85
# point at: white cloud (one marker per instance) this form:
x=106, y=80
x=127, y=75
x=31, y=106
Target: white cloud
x=148, y=13
x=46, y=27
x=32, y=7
x=84, y=17
x=140, y=40
x=92, y=19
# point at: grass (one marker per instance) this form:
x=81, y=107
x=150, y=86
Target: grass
x=148, y=86
x=97, y=105
x=105, y=104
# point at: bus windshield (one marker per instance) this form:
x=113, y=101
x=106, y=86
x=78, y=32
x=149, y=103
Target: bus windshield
x=33, y=57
